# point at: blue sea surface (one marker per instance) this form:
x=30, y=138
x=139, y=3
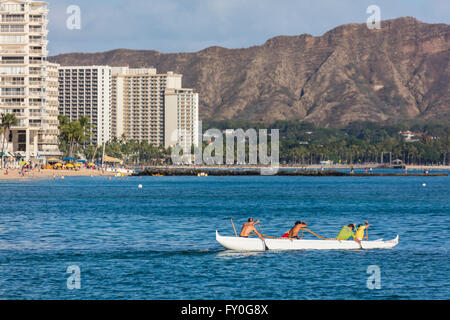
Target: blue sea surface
x=158, y=242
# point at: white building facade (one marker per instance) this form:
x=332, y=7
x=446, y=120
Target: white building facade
x=86, y=91
x=181, y=114
x=25, y=79
x=148, y=106
x=134, y=104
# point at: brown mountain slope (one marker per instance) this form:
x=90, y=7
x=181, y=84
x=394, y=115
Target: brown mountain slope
x=349, y=73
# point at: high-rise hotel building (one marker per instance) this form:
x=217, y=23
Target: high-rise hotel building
x=139, y=104
x=181, y=110
x=86, y=91
x=136, y=104
x=27, y=80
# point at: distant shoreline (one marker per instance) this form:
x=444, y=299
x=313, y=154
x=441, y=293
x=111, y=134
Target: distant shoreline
x=281, y=172
x=302, y=167
x=13, y=174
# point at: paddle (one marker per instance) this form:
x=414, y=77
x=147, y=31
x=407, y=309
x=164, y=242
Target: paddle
x=360, y=245
x=263, y=240
x=265, y=245
x=233, y=227
x=367, y=233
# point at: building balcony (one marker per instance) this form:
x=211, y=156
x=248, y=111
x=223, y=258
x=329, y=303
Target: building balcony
x=37, y=83
x=11, y=32
x=49, y=152
x=12, y=83
x=38, y=41
x=12, y=94
x=5, y=51
x=20, y=114
x=42, y=52
x=36, y=104
x=38, y=11
x=37, y=94
x=37, y=31
x=12, y=104
x=20, y=126
x=36, y=72
x=35, y=116
x=36, y=62
x=48, y=141
x=13, y=20
x=17, y=74
x=12, y=62
x=36, y=17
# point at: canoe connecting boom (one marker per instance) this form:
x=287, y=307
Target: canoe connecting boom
x=256, y=244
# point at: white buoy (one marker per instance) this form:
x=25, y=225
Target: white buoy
x=424, y=184
x=140, y=186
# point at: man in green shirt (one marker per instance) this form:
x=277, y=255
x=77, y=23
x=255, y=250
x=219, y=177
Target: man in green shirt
x=346, y=232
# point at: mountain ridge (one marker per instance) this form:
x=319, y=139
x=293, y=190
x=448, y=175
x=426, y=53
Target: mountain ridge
x=349, y=73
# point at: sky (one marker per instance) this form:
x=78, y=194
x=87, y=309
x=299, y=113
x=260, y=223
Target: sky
x=191, y=25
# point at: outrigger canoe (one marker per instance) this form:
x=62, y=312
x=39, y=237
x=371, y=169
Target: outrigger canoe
x=256, y=244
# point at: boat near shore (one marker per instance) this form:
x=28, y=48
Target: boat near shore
x=256, y=244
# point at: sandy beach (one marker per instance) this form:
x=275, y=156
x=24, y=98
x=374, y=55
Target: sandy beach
x=13, y=174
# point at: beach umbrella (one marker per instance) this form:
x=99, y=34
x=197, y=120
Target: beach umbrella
x=53, y=160
x=91, y=164
x=68, y=159
x=69, y=165
x=77, y=165
x=58, y=164
x=81, y=160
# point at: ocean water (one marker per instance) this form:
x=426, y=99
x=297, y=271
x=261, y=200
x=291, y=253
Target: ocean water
x=158, y=242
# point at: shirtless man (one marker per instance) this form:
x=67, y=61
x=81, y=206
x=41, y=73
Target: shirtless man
x=248, y=228
x=293, y=233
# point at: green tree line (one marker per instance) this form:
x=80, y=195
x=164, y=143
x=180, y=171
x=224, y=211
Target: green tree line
x=300, y=142
x=76, y=141
x=358, y=142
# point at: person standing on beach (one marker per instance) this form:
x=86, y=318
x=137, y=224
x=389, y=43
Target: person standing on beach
x=248, y=228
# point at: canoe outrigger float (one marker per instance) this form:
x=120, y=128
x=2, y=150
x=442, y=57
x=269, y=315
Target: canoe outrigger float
x=256, y=244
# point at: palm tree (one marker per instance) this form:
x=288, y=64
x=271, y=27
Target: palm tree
x=1, y=131
x=84, y=122
x=8, y=120
x=76, y=135
x=72, y=133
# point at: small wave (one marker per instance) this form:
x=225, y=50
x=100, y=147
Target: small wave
x=231, y=254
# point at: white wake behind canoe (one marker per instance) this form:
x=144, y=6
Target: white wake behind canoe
x=256, y=244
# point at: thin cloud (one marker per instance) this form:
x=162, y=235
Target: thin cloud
x=179, y=25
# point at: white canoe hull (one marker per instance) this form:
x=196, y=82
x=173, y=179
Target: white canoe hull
x=256, y=244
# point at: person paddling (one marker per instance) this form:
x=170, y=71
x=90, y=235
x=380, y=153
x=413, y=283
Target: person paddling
x=293, y=233
x=248, y=228
x=359, y=235
x=346, y=232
